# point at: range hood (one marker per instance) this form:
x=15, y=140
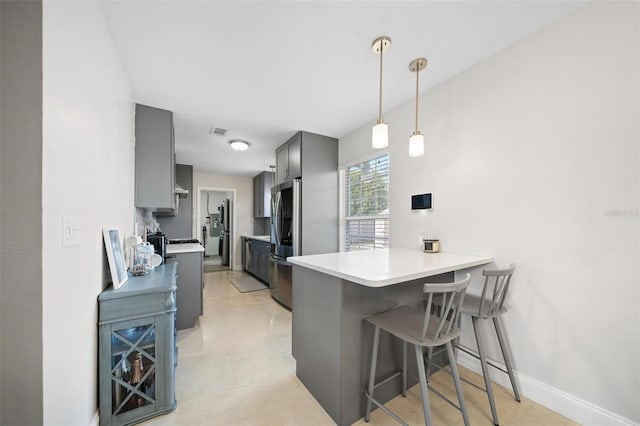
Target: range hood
x=180, y=190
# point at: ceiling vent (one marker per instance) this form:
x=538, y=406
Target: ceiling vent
x=217, y=131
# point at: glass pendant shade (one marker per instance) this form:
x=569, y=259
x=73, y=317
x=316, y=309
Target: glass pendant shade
x=416, y=141
x=416, y=145
x=380, y=132
x=380, y=135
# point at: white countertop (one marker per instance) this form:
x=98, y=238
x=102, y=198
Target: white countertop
x=184, y=248
x=379, y=268
x=258, y=237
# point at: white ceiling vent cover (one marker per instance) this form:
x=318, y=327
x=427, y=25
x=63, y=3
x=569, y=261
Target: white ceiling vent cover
x=217, y=131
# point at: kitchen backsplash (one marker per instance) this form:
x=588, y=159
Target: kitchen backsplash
x=143, y=219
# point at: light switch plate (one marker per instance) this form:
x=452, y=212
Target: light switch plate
x=70, y=231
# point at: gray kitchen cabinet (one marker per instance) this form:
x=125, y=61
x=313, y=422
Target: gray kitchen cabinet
x=294, y=169
x=190, y=285
x=262, y=184
x=282, y=162
x=154, y=159
x=289, y=159
x=314, y=159
x=137, y=351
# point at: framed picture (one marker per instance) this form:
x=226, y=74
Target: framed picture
x=114, y=255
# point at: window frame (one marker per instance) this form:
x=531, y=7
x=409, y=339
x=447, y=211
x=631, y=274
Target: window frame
x=344, y=218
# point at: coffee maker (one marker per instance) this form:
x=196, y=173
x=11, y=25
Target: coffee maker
x=159, y=243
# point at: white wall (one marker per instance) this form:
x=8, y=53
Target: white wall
x=243, y=206
x=532, y=157
x=88, y=172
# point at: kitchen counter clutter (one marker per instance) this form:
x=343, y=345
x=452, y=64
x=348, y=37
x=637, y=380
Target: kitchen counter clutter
x=379, y=268
x=332, y=294
x=184, y=248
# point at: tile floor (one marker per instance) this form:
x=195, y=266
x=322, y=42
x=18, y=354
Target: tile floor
x=213, y=263
x=235, y=368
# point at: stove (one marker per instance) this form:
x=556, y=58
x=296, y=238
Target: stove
x=183, y=241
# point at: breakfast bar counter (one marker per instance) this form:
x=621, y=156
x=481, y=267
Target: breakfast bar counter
x=332, y=294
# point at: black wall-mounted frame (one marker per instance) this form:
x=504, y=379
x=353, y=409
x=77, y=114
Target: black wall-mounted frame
x=421, y=201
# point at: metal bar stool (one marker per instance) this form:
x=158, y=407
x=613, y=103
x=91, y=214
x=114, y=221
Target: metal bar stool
x=423, y=329
x=490, y=304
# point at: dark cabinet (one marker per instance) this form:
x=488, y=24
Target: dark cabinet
x=289, y=159
x=262, y=184
x=137, y=351
x=154, y=160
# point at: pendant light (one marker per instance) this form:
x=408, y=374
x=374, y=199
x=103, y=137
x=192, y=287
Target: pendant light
x=380, y=132
x=416, y=141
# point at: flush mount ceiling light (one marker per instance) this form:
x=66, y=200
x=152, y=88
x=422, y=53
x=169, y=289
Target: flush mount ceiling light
x=416, y=141
x=380, y=132
x=239, y=144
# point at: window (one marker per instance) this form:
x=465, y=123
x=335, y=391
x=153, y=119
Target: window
x=364, y=205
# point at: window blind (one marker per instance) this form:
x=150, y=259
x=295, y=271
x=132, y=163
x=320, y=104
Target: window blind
x=364, y=205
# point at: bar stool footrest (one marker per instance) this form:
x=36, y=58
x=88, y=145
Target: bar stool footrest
x=385, y=409
x=475, y=355
x=387, y=379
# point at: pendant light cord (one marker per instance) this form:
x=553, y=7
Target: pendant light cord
x=417, y=82
x=380, y=98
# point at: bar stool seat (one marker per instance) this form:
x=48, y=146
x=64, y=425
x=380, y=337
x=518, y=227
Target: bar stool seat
x=423, y=328
x=406, y=324
x=471, y=305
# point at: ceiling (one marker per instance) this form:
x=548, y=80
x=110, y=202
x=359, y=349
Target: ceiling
x=263, y=70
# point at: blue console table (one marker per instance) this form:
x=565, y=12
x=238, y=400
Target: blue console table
x=137, y=350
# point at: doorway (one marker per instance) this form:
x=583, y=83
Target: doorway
x=215, y=227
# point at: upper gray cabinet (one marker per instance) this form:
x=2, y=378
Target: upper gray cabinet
x=314, y=158
x=155, y=159
x=262, y=184
x=289, y=159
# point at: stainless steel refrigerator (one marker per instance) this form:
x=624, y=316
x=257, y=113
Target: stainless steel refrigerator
x=285, y=237
x=225, y=230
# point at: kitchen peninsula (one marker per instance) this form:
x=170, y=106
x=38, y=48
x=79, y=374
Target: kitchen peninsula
x=332, y=294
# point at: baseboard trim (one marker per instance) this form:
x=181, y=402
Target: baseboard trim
x=568, y=405
x=96, y=419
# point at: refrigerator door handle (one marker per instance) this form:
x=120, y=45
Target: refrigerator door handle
x=296, y=217
x=278, y=210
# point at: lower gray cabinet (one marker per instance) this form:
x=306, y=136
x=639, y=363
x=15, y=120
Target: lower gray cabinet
x=137, y=351
x=190, y=285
